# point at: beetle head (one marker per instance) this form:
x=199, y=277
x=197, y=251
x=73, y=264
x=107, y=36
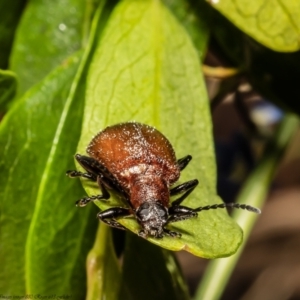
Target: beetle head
x=152, y=216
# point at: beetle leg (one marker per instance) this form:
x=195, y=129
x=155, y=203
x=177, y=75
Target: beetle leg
x=180, y=213
x=183, y=162
x=74, y=174
x=144, y=235
x=166, y=231
x=185, y=188
x=92, y=166
x=104, y=196
x=86, y=200
x=108, y=216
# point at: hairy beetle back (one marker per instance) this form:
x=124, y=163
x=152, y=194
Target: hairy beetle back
x=134, y=148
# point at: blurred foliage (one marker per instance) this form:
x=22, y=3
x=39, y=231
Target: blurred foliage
x=77, y=66
x=10, y=13
x=8, y=86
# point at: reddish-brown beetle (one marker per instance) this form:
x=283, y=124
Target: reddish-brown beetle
x=139, y=163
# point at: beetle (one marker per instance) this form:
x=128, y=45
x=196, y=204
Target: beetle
x=139, y=163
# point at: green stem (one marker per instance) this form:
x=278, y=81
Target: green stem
x=253, y=193
x=94, y=264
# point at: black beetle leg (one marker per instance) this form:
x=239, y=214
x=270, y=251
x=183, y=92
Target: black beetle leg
x=74, y=174
x=104, y=196
x=90, y=164
x=180, y=213
x=183, y=162
x=86, y=200
x=96, y=172
x=108, y=216
x=185, y=188
x=176, y=211
x=166, y=232
x=95, y=168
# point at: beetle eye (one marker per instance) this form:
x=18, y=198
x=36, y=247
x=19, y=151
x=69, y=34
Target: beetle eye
x=162, y=213
x=144, y=212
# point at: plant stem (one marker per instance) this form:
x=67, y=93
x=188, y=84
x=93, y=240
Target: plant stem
x=253, y=193
x=94, y=264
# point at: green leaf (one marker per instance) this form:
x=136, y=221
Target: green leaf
x=195, y=26
x=60, y=235
x=26, y=139
x=49, y=32
x=8, y=85
x=150, y=272
x=66, y=230
x=27, y=159
x=273, y=23
x=146, y=69
x=103, y=270
x=10, y=12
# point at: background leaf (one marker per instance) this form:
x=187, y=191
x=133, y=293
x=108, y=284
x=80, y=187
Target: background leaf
x=195, y=25
x=49, y=32
x=58, y=238
x=8, y=86
x=10, y=13
x=26, y=136
x=159, y=83
x=273, y=23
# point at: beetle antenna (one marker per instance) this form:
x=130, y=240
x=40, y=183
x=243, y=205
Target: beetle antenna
x=232, y=205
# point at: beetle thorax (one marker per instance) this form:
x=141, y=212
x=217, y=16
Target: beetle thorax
x=148, y=188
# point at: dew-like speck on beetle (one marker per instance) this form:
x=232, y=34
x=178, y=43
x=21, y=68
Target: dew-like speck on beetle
x=139, y=163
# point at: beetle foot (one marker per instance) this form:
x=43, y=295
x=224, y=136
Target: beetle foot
x=143, y=234
x=86, y=200
x=73, y=173
x=112, y=223
x=171, y=233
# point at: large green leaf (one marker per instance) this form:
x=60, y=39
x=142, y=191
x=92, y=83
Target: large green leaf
x=49, y=32
x=27, y=135
x=57, y=240
x=273, y=23
x=146, y=69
